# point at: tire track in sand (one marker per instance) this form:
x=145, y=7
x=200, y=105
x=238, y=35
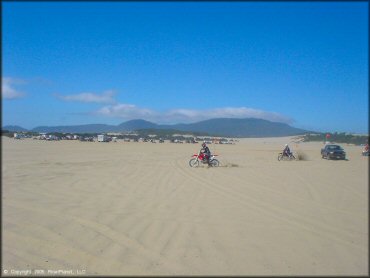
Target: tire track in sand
x=281, y=214
x=297, y=202
x=172, y=266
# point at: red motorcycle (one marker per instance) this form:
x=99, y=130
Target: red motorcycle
x=200, y=158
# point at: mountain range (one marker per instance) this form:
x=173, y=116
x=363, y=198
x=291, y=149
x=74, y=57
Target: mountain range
x=228, y=127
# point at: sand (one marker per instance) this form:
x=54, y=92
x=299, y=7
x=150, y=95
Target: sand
x=129, y=208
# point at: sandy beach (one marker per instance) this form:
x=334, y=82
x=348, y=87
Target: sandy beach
x=133, y=208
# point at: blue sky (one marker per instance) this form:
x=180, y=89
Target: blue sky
x=302, y=63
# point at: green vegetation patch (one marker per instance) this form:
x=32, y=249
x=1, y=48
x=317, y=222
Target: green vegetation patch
x=337, y=138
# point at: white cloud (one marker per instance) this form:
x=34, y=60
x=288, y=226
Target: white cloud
x=7, y=88
x=105, y=97
x=226, y=112
x=129, y=111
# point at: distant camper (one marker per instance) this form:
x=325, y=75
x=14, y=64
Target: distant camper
x=17, y=136
x=102, y=138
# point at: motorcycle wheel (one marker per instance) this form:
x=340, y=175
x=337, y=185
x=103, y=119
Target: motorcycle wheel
x=280, y=156
x=193, y=162
x=292, y=157
x=214, y=163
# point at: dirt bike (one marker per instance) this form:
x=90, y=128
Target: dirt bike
x=283, y=156
x=200, y=158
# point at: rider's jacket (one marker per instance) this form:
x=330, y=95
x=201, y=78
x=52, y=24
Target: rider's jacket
x=286, y=150
x=206, y=150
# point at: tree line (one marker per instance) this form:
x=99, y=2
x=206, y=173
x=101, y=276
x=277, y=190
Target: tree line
x=337, y=137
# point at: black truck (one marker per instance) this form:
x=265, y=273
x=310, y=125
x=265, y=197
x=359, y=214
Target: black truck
x=333, y=152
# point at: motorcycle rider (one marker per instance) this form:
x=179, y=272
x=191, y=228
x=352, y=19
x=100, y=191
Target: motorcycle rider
x=287, y=151
x=366, y=148
x=207, y=153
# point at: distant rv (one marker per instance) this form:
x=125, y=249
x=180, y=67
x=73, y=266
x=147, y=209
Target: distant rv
x=102, y=138
x=18, y=136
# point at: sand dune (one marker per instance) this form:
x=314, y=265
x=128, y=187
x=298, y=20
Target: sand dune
x=139, y=209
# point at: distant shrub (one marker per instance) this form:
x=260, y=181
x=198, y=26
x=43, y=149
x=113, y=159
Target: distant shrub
x=338, y=138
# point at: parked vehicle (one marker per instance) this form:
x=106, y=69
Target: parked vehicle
x=199, y=158
x=18, y=136
x=86, y=139
x=332, y=151
x=282, y=156
x=103, y=138
x=365, y=152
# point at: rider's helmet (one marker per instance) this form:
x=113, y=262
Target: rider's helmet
x=286, y=145
x=204, y=144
